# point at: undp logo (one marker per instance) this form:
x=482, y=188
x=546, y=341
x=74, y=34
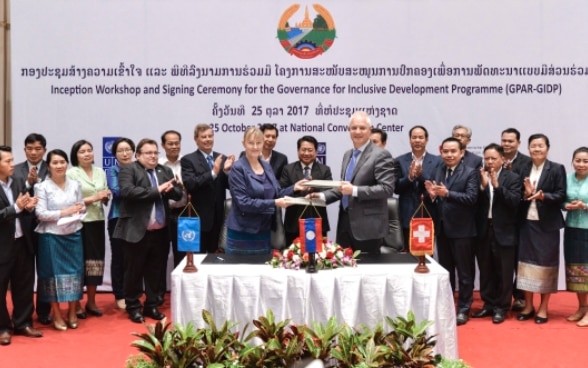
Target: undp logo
x=306, y=38
x=188, y=235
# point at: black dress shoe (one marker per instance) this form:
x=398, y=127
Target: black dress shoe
x=136, y=316
x=498, y=317
x=5, y=338
x=461, y=318
x=81, y=315
x=518, y=305
x=159, y=301
x=28, y=332
x=526, y=316
x=94, y=312
x=44, y=320
x=482, y=313
x=540, y=320
x=153, y=313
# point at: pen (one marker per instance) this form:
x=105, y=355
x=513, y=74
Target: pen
x=219, y=258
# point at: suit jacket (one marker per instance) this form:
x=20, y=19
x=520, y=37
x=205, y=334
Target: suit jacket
x=138, y=197
x=251, y=211
x=374, y=177
x=457, y=212
x=8, y=218
x=472, y=160
x=521, y=162
x=21, y=170
x=505, y=203
x=553, y=183
x=278, y=161
x=291, y=174
x=409, y=192
x=208, y=194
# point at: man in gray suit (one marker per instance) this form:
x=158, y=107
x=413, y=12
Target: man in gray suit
x=367, y=175
x=32, y=171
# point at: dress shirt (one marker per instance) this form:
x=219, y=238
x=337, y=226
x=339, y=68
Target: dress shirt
x=95, y=210
x=534, y=177
x=176, y=168
x=52, y=199
x=8, y=191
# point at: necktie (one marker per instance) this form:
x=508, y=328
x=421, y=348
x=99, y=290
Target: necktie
x=210, y=161
x=349, y=175
x=306, y=172
x=159, y=210
x=449, y=174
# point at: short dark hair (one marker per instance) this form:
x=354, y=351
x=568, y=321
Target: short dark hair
x=5, y=149
x=418, y=127
x=74, y=151
x=170, y=132
x=35, y=137
x=383, y=134
x=56, y=152
x=512, y=131
x=145, y=141
x=532, y=137
x=498, y=148
x=121, y=140
x=309, y=139
x=452, y=139
x=268, y=126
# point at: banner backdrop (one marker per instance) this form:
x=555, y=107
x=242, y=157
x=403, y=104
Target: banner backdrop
x=94, y=69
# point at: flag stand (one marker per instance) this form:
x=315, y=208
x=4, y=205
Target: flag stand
x=421, y=266
x=190, y=266
x=311, y=266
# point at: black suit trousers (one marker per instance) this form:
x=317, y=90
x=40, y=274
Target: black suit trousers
x=496, y=265
x=19, y=271
x=145, y=263
x=458, y=253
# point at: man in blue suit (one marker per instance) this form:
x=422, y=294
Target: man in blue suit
x=414, y=168
x=454, y=190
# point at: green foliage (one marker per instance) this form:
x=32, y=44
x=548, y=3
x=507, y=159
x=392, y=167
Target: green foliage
x=281, y=344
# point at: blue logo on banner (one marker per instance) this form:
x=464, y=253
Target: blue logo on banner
x=108, y=157
x=321, y=153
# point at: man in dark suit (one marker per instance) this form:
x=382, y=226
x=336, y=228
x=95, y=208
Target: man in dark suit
x=500, y=196
x=204, y=174
x=367, y=175
x=514, y=160
x=276, y=159
x=145, y=188
x=379, y=137
x=306, y=168
x=455, y=192
x=464, y=135
x=32, y=171
x=414, y=168
x=17, y=261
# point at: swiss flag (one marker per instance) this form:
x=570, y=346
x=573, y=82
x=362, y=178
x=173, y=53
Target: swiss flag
x=422, y=235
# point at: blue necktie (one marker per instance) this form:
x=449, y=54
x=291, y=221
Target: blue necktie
x=349, y=175
x=159, y=210
x=210, y=161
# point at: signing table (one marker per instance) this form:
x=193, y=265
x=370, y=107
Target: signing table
x=362, y=295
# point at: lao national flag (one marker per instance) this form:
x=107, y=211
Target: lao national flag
x=422, y=235
x=311, y=235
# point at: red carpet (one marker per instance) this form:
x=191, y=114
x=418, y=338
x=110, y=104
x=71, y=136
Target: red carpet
x=105, y=341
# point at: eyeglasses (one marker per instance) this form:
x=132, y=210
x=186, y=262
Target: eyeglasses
x=126, y=150
x=150, y=153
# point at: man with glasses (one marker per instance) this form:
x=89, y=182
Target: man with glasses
x=464, y=135
x=145, y=188
x=34, y=170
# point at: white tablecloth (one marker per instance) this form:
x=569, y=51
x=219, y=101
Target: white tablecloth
x=362, y=295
